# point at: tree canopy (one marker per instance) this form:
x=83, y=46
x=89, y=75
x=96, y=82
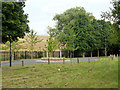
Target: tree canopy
x=77, y=29
x=14, y=21
x=70, y=25
x=113, y=15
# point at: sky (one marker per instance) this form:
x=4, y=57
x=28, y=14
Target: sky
x=41, y=12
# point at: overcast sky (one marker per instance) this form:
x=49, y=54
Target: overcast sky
x=41, y=12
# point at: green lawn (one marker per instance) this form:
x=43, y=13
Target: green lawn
x=98, y=74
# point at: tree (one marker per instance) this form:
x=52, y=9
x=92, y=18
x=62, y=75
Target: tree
x=32, y=40
x=96, y=35
x=114, y=15
x=52, y=42
x=14, y=22
x=73, y=29
x=106, y=31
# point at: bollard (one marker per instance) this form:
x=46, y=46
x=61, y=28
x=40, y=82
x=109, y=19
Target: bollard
x=89, y=60
x=22, y=63
x=77, y=60
x=48, y=61
x=63, y=60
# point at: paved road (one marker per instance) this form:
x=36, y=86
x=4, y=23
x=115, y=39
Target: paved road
x=28, y=62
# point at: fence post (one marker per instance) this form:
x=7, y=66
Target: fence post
x=22, y=63
x=77, y=60
x=48, y=61
x=89, y=60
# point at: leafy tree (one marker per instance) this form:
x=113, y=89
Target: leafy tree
x=14, y=22
x=52, y=42
x=73, y=29
x=106, y=32
x=32, y=40
x=96, y=35
x=114, y=15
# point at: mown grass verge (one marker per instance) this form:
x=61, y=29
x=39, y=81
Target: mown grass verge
x=97, y=74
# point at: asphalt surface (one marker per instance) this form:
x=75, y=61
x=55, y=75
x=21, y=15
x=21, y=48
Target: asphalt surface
x=29, y=62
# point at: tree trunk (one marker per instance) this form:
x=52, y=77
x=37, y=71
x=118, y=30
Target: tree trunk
x=98, y=53
x=70, y=54
x=83, y=54
x=10, y=52
x=91, y=53
x=31, y=54
x=105, y=51
x=53, y=53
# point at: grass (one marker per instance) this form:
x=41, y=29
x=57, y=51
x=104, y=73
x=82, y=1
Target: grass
x=98, y=74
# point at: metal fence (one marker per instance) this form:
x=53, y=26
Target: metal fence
x=28, y=55
x=38, y=54
x=21, y=55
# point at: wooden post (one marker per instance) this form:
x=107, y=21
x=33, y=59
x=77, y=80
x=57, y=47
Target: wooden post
x=48, y=61
x=22, y=63
x=77, y=60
